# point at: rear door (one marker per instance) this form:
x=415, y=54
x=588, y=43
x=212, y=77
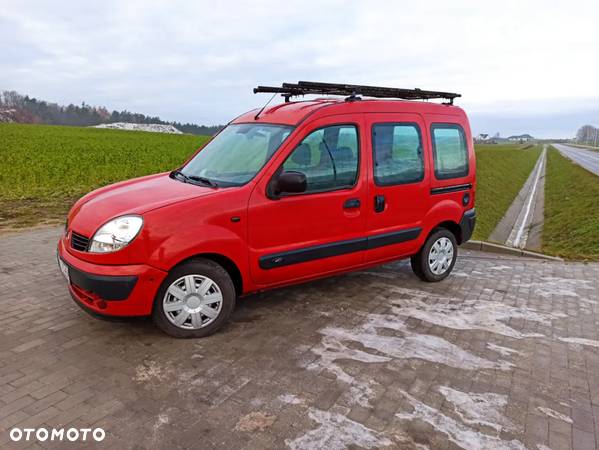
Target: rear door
x=399, y=196
x=321, y=230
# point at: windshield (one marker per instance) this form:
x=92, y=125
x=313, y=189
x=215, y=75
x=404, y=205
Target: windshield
x=237, y=153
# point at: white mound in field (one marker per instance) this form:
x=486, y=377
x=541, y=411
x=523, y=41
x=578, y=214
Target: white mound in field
x=7, y=115
x=152, y=127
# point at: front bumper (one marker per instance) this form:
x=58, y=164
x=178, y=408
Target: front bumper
x=124, y=290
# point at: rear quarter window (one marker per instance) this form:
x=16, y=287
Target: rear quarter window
x=450, y=151
x=397, y=150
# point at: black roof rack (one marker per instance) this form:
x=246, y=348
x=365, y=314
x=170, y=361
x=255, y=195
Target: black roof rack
x=289, y=90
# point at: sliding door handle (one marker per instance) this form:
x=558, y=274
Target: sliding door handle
x=379, y=203
x=351, y=203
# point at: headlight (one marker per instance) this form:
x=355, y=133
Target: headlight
x=116, y=234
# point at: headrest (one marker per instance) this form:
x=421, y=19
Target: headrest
x=343, y=154
x=302, y=155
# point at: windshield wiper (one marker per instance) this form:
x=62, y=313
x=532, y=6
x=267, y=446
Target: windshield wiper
x=193, y=179
x=177, y=173
x=203, y=180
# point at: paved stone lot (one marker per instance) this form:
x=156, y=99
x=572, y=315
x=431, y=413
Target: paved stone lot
x=503, y=354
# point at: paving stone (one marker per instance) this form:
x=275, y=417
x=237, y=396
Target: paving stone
x=60, y=367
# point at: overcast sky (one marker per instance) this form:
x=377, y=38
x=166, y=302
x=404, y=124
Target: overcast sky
x=521, y=66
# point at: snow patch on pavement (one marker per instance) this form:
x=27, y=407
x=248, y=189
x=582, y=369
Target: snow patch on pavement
x=504, y=351
x=456, y=432
x=290, y=399
x=556, y=415
x=334, y=347
x=580, y=341
x=562, y=287
x=471, y=314
x=337, y=432
x=479, y=409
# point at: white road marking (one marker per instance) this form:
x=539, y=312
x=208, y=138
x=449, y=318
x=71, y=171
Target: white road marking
x=519, y=234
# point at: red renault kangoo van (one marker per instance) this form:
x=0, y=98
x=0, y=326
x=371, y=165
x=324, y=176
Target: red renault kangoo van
x=282, y=195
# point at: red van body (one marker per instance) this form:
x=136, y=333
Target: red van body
x=261, y=241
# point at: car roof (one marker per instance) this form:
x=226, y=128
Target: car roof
x=293, y=113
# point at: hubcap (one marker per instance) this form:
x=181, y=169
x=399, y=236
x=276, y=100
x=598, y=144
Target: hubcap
x=440, y=256
x=192, y=302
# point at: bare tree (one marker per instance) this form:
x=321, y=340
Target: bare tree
x=588, y=135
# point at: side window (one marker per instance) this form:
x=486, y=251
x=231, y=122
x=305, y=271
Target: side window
x=397, y=153
x=450, y=151
x=328, y=157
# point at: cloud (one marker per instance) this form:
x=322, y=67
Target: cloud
x=197, y=61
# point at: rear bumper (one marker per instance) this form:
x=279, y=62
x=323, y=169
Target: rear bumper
x=467, y=224
x=126, y=290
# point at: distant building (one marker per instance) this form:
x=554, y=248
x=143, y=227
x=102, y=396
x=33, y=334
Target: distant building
x=482, y=138
x=520, y=138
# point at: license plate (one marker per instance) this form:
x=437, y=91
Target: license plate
x=64, y=269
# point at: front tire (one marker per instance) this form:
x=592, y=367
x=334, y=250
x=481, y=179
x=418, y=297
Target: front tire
x=435, y=260
x=194, y=300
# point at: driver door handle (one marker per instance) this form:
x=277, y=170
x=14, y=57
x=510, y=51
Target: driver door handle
x=351, y=203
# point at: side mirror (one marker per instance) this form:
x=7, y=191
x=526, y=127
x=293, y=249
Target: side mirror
x=290, y=181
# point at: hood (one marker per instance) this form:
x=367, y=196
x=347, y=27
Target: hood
x=135, y=196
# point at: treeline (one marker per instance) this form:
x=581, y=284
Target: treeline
x=25, y=109
x=588, y=135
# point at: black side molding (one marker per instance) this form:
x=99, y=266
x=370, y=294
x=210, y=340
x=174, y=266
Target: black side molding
x=467, y=224
x=454, y=188
x=106, y=287
x=312, y=253
x=380, y=240
x=336, y=248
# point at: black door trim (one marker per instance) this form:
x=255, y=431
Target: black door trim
x=453, y=188
x=396, y=237
x=336, y=248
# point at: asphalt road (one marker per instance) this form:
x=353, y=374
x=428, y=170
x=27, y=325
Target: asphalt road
x=588, y=159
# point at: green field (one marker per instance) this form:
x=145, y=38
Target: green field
x=44, y=169
x=571, y=227
x=501, y=171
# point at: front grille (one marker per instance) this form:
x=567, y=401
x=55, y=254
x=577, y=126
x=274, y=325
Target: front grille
x=79, y=242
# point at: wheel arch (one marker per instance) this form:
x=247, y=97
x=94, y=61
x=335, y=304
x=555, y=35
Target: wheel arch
x=452, y=226
x=225, y=262
x=445, y=214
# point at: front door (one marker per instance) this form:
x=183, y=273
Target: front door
x=399, y=196
x=321, y=230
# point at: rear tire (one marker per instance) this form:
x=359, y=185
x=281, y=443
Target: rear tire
x=435, y=260
x=194, y=300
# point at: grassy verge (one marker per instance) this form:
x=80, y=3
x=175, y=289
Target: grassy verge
x=571, y=227
x=44, y=169
x=501, y=171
